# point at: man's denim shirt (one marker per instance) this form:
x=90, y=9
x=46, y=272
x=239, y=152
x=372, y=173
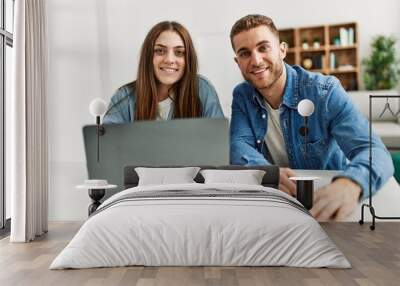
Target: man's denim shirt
x=123, y=102
x=338, y=136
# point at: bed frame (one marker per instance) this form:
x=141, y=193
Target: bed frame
x=270, y=179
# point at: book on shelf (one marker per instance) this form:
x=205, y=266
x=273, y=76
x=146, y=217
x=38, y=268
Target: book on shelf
x=317, y=61
x=347, y=67
x=343, y=36
x=346, y=37
x=332, y=61
x=350, y=32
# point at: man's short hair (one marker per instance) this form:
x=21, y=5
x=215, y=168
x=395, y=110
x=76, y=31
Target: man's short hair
x=252, y=21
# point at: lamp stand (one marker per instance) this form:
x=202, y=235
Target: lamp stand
x=96, y=195
x=100, y=131
x=304, y=132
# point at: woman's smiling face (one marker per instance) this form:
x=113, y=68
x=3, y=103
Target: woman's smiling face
x=169, y=58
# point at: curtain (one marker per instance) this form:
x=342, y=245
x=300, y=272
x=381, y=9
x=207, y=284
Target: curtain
x=29, y=143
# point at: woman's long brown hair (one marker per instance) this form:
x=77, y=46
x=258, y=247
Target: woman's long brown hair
x=186, y=103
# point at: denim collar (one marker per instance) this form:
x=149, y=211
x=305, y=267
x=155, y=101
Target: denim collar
x=290, y=92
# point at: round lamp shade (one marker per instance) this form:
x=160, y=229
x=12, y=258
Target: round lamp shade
x=305, y=107
x=97, y=107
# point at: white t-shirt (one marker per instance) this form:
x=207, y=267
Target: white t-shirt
x=164, y=108
x=274, y=138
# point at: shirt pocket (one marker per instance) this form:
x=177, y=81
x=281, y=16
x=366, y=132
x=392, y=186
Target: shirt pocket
x=313, y=153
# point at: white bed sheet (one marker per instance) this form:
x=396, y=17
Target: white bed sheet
x=200, y=231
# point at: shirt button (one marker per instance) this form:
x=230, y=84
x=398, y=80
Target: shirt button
x=258, y=141
x=263, y=116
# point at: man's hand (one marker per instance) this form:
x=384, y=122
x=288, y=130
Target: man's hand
x=286, y=185
x=336, y=200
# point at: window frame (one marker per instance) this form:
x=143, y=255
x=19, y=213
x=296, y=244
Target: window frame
x=6, y=39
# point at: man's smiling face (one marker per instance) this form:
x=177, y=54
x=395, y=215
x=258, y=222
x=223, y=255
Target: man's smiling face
x=259, y=56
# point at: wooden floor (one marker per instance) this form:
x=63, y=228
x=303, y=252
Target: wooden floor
x=374, y=255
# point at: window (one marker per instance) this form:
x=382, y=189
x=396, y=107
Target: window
x=6, y=44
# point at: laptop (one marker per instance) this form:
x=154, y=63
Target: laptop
x=180, y=142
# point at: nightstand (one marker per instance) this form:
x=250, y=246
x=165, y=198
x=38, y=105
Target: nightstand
x=96, y=190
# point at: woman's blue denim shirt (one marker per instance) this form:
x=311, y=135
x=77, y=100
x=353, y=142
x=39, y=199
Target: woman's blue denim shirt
x=122, y=106
x=338, y=133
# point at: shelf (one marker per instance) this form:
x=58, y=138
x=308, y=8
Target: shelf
x=354, y=70
x=310, y=35
x=317, y=70
x=338, y=47
x=311, y=49
x=348, y=24
x=287, y=36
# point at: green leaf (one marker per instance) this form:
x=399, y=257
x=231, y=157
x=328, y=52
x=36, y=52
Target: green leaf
x=382, y=67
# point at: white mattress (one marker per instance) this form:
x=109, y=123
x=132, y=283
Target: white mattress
x=183, y=231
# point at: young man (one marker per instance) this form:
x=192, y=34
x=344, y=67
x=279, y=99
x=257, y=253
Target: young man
x=265, y=122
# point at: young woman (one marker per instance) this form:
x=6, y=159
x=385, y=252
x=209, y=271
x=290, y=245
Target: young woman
x=167, y=84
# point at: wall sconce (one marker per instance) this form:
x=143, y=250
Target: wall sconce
x=98, y=107
x=305, y=108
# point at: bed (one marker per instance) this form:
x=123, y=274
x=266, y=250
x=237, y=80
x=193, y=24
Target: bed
x=201, y=223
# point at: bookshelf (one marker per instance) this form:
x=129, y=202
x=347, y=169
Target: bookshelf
x=328, y=49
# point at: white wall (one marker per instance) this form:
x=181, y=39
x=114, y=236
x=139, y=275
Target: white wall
x=94, y=47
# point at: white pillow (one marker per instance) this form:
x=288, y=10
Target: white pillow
x=248, y=177
x=163, y=176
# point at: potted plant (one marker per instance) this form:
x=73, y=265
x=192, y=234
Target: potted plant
x=286, y=40
x=382, y=66
x=316, y=42
x=304, y=44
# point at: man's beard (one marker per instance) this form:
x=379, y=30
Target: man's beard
x=276, y=74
